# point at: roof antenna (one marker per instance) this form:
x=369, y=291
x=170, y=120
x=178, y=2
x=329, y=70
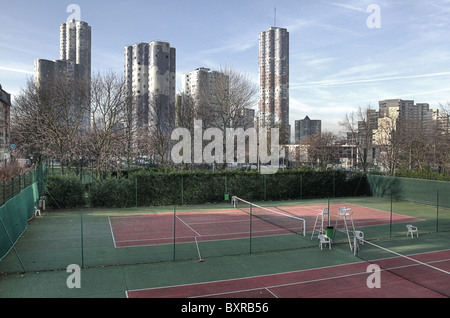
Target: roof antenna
x=275, y=16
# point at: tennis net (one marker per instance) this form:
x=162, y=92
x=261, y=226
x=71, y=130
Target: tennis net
x=282, y=220
x=428, y=271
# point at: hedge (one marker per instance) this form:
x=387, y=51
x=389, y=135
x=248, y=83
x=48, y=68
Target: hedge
x=65, y=192
x=157, y=188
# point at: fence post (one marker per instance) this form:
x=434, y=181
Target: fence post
x=329, y=212
x=136, y=191
x=82, y=238
x=334, y=183
x=265, y=187
x=390, y=220
x=437, y=211
x=174, y=231
x=182, y=190
x=226, y=186
x=301, y=187
x=251, y=216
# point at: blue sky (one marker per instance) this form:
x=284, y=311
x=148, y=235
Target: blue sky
x=337, y=63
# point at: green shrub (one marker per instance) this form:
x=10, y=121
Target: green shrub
x=111, y=192
x=65, y=192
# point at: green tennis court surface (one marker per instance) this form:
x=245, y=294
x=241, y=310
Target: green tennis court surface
x=155, y=252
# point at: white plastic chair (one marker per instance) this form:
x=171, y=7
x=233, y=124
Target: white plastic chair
x=357, y=240
x=412, y=229
x=359, y=235
x=323, y=240
x=37, y=211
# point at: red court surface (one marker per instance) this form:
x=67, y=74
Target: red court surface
x=161, y=228
x=344, y=281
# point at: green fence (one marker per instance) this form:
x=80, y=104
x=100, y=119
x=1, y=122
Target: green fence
x=429, y=192
x=94, y=236
x=20, y=197
x=428, y=200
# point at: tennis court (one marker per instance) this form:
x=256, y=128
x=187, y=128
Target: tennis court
x=227, y=224
x=155, y=252
x=341, y=281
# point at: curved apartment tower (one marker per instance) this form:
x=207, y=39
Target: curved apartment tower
x=150, y=85
x=73, y=68
x=274, y=81
x=75, y=45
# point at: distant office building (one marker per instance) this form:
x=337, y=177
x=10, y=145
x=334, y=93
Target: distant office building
x=5, y=112
x=408, y=111
x=206, y=88
x=307, y=127
x=150, y=85
x=410, y=115
x=274, y=81
x=74, y=65
x=199, y=83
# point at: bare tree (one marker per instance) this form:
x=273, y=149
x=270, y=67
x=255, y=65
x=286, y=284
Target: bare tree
x=359, y=128
x=321, y=148
x=185, y=111
x=48, y=120
x=388, y=141
x=70, y=123
x=160, y=128
x=130, y=129
x=27, y=130
x=107, y=140
x=445, y=108
x=441, y=151
x=413, y=144
x=226, y=102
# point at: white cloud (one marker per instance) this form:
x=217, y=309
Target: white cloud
x=348, y=6
x=15, y=70
x=367, y=80
x=320, y=62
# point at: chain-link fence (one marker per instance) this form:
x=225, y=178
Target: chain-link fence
x=20, y=198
